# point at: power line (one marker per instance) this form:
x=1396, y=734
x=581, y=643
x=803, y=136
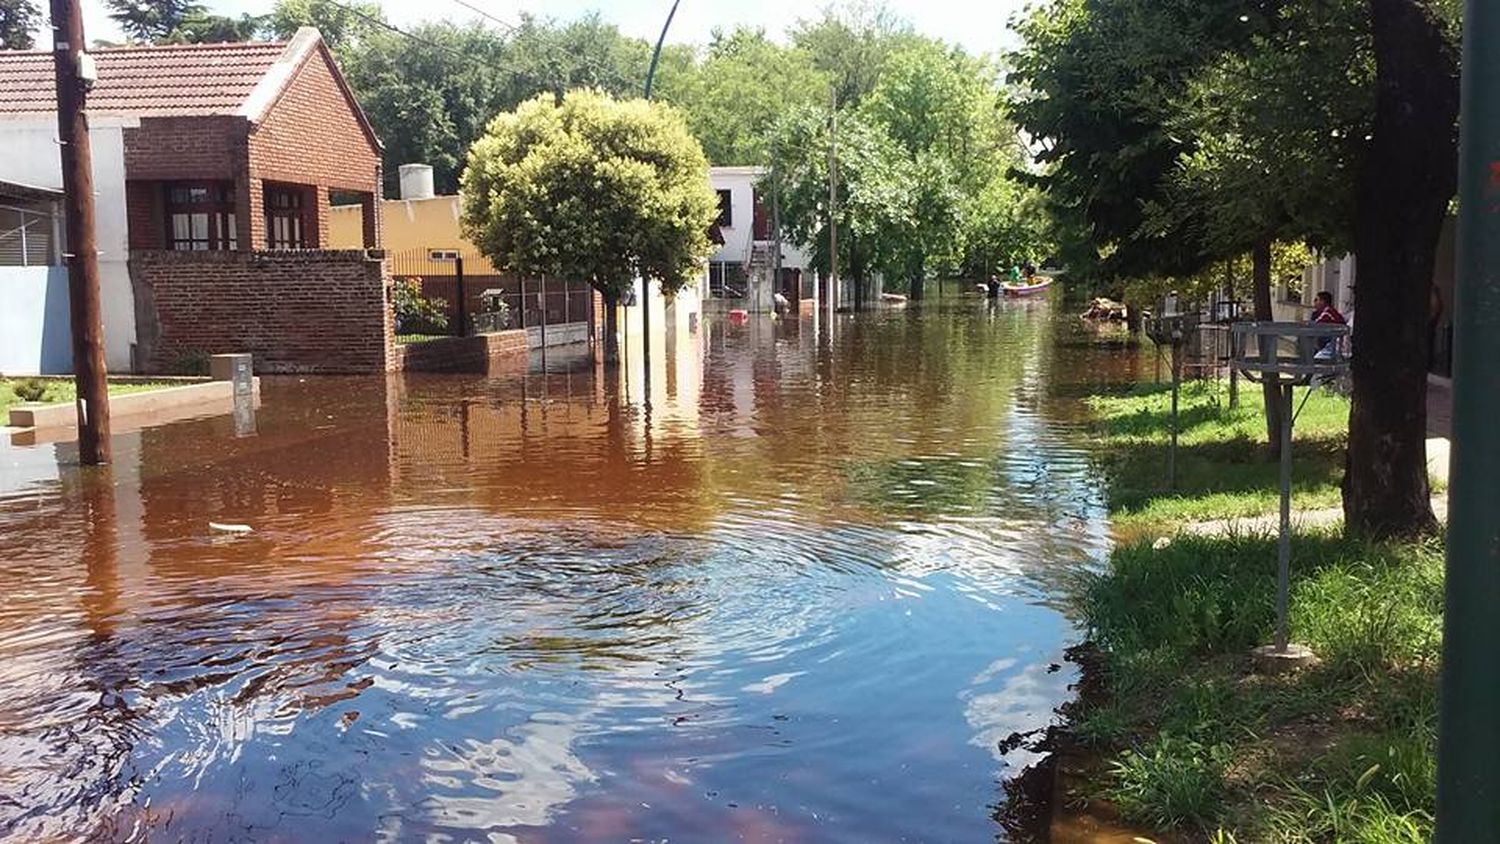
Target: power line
x=380, y=22
x=515, y=29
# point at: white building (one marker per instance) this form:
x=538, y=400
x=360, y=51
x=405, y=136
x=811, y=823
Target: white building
x=35, y=332
x=741, y=274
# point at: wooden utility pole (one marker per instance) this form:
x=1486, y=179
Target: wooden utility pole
x=82, y=251
x=833, y=204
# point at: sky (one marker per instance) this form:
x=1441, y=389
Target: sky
x=978, y=25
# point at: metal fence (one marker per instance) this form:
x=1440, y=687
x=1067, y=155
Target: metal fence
x=468, y=288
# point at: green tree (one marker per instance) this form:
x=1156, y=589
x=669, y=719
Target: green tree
x=875, y=197
x=344, y=26
x=592, y=188
x=1181, y=133
x=19, y=19
x=152, y=20
x=734, y=96
x=430, y=94
x=1406, y=182
x=1006, y=225
x=200, y=27
x=851, y=43
x=941, y=109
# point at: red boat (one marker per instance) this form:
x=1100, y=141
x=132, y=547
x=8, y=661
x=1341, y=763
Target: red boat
x=1013, y=289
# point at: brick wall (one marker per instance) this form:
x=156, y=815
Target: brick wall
x=145, y=214
x=313, y=136
x=482, y=353
x=302, y=311
x=310, y=137
x=186, y=148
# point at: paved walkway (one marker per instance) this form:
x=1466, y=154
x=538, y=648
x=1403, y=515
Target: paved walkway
x=1301, y=520
x=1439, y=427
x=1439, y=409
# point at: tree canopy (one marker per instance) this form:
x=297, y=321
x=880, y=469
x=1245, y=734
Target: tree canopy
x=18, y=20
x=591, y=188
x=925, y=162
x=1177, y=135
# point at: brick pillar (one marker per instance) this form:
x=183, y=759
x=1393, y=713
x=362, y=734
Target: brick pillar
x=375, y=226
x=254, y=227
x=316, y=218
x=369, y=215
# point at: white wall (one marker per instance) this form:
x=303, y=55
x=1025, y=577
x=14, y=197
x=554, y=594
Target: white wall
x=30, y=157
x=34, y=336
x=740, y=182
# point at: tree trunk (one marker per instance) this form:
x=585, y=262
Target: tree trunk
x=1260, y=274
x=611, y=329
x=917, y=285
x=1407, y=177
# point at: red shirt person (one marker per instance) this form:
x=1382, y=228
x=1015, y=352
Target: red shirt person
x=1324, y=313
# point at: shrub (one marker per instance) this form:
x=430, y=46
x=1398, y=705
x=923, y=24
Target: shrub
x=415, y=313
x=29, y=389
x=1170, y=781
x=195, y=362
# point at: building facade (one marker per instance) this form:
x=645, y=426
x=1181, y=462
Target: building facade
x=204, y=148
x=742, y=273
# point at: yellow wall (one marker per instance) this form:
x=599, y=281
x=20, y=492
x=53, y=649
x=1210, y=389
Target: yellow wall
x=412, y=227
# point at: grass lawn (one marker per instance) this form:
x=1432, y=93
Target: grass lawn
x=1196, y=743
x=1200, y=744
x=63, y=391
x=1223, y=466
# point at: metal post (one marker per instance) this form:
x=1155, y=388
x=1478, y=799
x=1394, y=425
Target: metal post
x=85, y=310
x=645, y=301
x=1284, y=551
x=833, y=205
x=1468, y=789
x=542, y=299
x=463, y=300
x=1176, y=387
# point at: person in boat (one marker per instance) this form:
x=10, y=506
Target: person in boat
x=1028, y=272
x=1324, y=313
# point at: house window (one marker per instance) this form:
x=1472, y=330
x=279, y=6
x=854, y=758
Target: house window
x=200, y=216
x=443, y=254
x=726, y=209
x=286, y=221
x=26, y=236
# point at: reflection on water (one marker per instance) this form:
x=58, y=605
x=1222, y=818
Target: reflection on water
x=801, y=594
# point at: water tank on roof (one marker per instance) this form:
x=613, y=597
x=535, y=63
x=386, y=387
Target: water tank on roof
x=416, y=181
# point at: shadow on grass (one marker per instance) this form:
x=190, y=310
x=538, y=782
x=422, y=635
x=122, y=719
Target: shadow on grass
x=1221, y=479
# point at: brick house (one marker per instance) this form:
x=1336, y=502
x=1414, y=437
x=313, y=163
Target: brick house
x=223, y=148
x=234, y=147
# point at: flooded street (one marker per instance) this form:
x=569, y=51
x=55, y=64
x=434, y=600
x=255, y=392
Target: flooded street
x=800, y=598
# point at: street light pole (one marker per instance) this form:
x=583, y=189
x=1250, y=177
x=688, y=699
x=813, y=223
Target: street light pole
x=1468, y=794
x=646, y=282
x=82, y=250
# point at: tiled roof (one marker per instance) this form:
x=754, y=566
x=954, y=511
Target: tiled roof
x=154, y=81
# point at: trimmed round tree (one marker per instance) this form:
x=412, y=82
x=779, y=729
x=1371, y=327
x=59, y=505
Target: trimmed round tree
x=593, y=189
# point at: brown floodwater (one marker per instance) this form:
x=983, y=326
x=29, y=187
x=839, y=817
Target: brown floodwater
x=800, y=595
